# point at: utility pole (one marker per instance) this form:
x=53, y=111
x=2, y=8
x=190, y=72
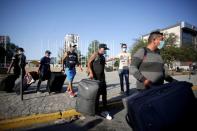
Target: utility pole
x=5, y=44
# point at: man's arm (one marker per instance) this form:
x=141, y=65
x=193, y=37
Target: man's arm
x=129, y=58
x=40, y=65
x=11, y=65
x=135, y=64
x=90, y=64
x=79, y=64
x=63, y=65
x=113, y=58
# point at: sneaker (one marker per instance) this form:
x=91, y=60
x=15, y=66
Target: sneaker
x=72, y=94
x=68, y=91
x=127, y=93
x=39, y=92
x=106, y=115
x=32, y=81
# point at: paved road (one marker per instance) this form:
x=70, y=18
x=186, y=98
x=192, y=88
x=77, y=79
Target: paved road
x=91, y=123
x=12, y=106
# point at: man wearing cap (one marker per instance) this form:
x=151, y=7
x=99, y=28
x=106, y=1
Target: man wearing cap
x=96, y=66
x=18, y=62
x=44, y=70
x=69, y=63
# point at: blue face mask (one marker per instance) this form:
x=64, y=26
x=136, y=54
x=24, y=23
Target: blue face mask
x=161, y=45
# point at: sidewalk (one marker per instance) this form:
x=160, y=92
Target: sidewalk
x=34, y=104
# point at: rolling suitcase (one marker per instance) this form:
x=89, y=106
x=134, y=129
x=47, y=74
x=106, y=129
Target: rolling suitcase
x=87, y=92
x=56, y=81
x=7, y=83
x=169, y=107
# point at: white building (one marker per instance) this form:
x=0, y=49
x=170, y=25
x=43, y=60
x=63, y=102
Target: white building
x=186, y=34
x=71, y=39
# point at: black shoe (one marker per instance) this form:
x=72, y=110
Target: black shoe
x=127, y=93
x=18, y=92
x=121, y=93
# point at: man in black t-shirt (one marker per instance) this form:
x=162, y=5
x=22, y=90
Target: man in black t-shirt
x=96, y=66
x=18, y=63
x=44, y=70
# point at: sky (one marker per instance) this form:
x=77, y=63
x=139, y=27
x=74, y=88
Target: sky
x=38, y=25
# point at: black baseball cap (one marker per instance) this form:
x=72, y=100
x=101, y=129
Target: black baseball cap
x=47, y=52
x=73, y=45
x=103, y=46
x=20, y=49
x=123, y=45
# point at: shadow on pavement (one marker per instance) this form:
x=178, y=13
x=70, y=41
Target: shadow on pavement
x=69, y=126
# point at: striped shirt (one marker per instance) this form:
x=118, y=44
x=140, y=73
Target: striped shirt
x=147, y=64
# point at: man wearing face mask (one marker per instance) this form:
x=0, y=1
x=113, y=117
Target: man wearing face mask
x=69, y=62
x=125, y=60
x=96, y=66
x=147, y=65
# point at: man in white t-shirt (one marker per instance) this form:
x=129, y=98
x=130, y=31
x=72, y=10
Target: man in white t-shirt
x=125, y=61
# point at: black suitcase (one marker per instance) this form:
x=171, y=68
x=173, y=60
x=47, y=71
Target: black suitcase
x=56, y=81
x=87, y=92
x=170, y=107
x=7, y=83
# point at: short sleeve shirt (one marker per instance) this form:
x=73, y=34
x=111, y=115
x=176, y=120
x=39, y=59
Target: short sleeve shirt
x=124, y=60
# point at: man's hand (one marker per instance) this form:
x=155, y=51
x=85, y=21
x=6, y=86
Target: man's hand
x=38, y=71
x=91, y=76
x=147, y=83
x=81, y=69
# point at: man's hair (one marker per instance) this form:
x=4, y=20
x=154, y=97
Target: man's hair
x=154, y=35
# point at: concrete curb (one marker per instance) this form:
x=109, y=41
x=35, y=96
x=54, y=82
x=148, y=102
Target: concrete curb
x=43, y=118
x=36, y=119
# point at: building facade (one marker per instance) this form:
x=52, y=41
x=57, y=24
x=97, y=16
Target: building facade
x=185, y=32
x=70, y=39
x=4, y=39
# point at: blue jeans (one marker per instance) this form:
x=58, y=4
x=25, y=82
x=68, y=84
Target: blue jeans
x=124, y=73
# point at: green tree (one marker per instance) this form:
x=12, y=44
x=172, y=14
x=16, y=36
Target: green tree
x=139, y=43
x=93, y=47
x=9, y=52
x=171, y=52
x=116, y=63
x=188, y=54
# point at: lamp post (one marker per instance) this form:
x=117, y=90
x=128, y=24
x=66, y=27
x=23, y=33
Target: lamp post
x=5, y=46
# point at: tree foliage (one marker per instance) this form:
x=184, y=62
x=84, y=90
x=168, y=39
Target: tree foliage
x=9, y=52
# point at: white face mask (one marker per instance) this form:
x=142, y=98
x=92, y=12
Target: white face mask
x=124, y=49
x=20, y=52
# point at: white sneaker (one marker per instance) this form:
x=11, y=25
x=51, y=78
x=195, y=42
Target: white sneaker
x=39, y=92
x=32, y=81
x=106, y=115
